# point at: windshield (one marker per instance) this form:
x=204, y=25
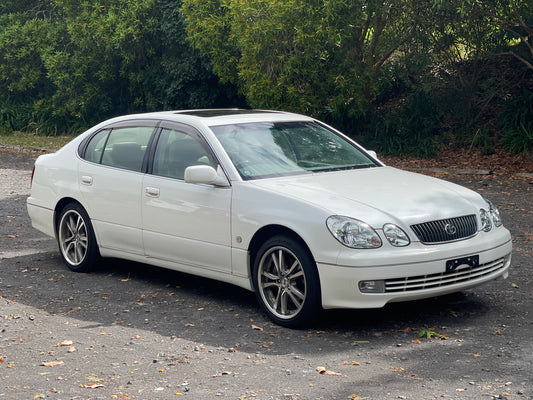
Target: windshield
x=267, y=149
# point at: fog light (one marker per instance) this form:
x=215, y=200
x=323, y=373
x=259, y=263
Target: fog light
x=372, y=286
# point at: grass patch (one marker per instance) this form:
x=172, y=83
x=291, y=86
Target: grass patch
x=32, y=141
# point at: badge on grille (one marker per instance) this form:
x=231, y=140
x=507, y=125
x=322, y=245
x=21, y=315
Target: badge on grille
x=450, y=229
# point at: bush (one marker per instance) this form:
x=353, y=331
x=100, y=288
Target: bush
x=406, y=129
x=13, y=116
x=516, y=121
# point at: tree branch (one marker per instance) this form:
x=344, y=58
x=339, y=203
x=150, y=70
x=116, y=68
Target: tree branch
x=512, y=53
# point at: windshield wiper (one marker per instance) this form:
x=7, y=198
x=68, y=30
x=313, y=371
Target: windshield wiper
x=344, y=168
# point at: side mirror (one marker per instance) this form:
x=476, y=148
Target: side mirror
x=205, y=174
x=373, y=154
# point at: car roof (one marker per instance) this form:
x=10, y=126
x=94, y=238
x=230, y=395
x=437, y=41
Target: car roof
x=220, y=112
x=224, y=116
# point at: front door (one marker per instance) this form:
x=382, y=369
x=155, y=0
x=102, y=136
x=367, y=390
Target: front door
x=185, y=223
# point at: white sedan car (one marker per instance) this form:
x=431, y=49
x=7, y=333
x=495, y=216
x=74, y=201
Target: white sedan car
x=274, y=202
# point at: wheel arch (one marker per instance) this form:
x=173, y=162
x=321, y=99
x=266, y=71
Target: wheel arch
x=77, y=242
x=266, y=233
x=60, y=206
x=310, y=305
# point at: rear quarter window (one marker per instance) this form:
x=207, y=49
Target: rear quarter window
x=95, y=147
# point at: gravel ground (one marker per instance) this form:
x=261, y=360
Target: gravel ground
x=131, y=331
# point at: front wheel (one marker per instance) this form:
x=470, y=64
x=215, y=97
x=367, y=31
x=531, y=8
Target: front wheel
x=286, y=281
x=76, y=239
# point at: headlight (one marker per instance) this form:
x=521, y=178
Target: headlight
x=494, y=213
x=486, y=225
x=490, y=217
x=353, y=233
x=396, y=235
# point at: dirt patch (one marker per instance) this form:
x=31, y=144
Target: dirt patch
x=499, y=163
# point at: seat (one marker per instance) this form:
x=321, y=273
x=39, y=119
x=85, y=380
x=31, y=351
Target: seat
x=183, y=154
x=127, y=155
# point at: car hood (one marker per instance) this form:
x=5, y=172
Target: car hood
x=379, y=195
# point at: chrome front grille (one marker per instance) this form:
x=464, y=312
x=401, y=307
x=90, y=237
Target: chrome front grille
x=442, y=279
x=446, y=230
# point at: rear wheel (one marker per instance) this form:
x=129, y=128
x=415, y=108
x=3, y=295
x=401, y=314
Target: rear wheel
x=286, y=281
x=76, y=239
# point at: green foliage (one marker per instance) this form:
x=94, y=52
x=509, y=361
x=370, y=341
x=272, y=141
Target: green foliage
x=506, y=25
x=25, y=35
x=67, y=64
x=13, y=116
x=482, y=140
x=99, y=68
x=326, y=58
x=401, y=75
x=517, y=110
x=181, y=76
x=519, y=140
x=516, y=120
x=32, y=140
x=410, y=131
x=429, y=333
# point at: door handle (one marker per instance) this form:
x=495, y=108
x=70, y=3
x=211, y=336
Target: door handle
x=152, y=191
x=87, y=180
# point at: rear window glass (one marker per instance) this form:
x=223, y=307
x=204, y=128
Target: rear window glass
x=95, y=147
x=120, y=147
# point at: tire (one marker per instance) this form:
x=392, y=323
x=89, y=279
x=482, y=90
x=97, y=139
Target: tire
x=76, y=239
x=286, y=282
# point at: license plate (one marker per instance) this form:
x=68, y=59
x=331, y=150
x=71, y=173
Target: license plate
x=452, y=265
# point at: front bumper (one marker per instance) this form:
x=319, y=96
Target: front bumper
x=414, y=274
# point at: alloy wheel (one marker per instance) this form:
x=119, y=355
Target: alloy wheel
x=281, y=282
x=73, y=237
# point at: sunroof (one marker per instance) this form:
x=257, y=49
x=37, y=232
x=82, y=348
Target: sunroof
x=222, y=111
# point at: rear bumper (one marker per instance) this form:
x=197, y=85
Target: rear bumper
x=42, y=218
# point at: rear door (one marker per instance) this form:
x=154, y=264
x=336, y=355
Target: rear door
x=110, y=179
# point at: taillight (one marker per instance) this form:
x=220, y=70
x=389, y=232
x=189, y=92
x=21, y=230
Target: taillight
x=32, y=173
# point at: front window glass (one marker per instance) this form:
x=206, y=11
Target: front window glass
x=176, y=151
x=125, y=147
x=260, y=150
